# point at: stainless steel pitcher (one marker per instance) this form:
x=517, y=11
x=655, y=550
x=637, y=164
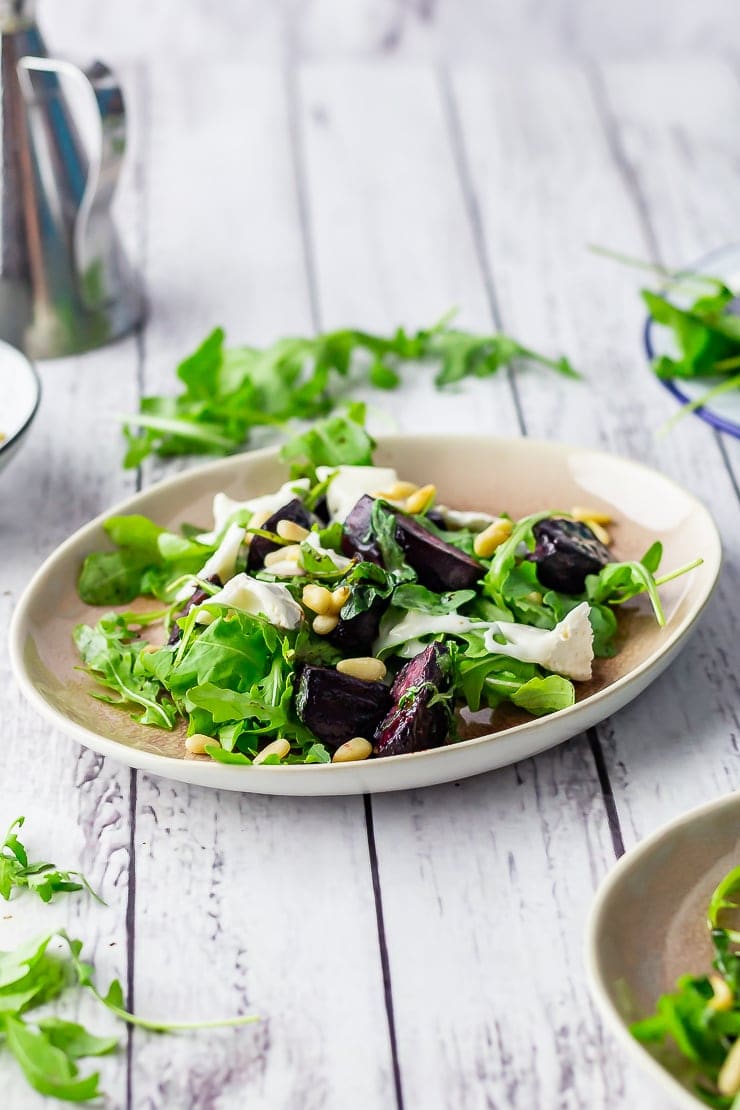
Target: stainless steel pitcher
x=65, y=284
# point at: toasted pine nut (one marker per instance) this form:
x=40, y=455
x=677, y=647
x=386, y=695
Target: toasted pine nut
x=486, y=542
x=399, y=491
x=535, y=597
x=340, y=597
x=728, y=1080
x=599, y=531
x=366, y=668
x=325, y=623
x=421, y=500
x=283, y=554
x=586, y=515
x=290, y=530
x=149, y=647
x=318, y=599
x=280, y=748
x=196, y=744
x=356, y=748
x=723, y=996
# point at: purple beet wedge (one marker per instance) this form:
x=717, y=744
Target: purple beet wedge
x=337, y=707
x=414, y=725
x=296, y=511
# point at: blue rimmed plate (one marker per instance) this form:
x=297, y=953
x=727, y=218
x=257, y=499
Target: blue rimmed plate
x=722, y=412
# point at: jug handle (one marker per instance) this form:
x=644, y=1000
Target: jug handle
x=94, y=251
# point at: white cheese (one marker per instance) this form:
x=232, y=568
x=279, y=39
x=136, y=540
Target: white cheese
x=415, y=624
x=265, y=505
x=350, y=483
x=455, y=518
x=222, y=562
x=567, y=649
x=341, y=562
x=268, y=599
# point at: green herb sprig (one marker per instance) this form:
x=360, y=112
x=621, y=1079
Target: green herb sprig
x=44, y=879
x=228, y=392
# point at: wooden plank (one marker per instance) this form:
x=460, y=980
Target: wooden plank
x=329, y=29
x=483, y=916
x=75, y=802
x=548, y=184
x=244, y=903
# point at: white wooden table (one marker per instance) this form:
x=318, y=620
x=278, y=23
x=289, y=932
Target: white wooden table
x=420, y=950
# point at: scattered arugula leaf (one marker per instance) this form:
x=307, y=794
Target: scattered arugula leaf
x=44, y=879
x=228, y=392
x=47, y=1049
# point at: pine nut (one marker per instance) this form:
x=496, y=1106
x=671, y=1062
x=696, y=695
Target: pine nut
x=421, y=500
x=283, y=554
x=599, y=531
x=535, y=597
x=290, y=530
x=399, y=491
x=340, y=597
x=586, y=515
x=325, y=623
x=366, y=668
x=280, y=748
x=728, y=1080
x=318, y=599
x=356, y=748
x=723, y=996
x=196, y=744
x=486, y=542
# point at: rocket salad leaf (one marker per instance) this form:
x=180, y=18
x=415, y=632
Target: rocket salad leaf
x=228, y=392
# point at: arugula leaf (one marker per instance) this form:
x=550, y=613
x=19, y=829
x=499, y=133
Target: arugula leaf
x=228, y=392
x=414, y=596
x=113, y=655
x=45, y=879
x=339, y=440
x=48, y=1069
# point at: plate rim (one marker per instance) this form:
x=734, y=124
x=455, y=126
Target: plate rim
x=596, y=980
x=165, y=765
x=12, y=441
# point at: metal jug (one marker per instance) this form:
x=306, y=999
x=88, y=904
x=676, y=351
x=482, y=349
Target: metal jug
x=65, y=284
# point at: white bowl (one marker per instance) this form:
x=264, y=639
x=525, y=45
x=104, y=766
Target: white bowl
x=648, y=926
x=519, y=475
x=20, y=391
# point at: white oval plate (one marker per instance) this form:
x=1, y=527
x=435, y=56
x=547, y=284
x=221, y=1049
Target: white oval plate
x=647, y=925
x=517, y=475
x=20, y=390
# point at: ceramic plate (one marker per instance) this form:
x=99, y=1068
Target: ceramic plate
x=648, y=926
x=518, y=475
x=20, y=391
x=722, y=412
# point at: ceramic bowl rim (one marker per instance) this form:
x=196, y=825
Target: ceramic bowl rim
x=600, y=901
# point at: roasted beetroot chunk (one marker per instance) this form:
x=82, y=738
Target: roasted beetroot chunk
x=259, y=547
x=438, y=564
x=357, y=635
x=358, y=538
x=566, y=552
x=414, y=724
x=337, y=707
x=197, y=597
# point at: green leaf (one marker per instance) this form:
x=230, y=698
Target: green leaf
x=544, y=695
x=47, y=1068
x=339, y=440
x=74, y=1040
x=414, y=596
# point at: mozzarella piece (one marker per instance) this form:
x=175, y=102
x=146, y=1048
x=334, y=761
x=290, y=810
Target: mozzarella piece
x=268, y=599
x=341, y=562
x=567, y=649
x=350, y=483
x=455, y=518
x=222, y=562
x=224, y=507
x=416, y=624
